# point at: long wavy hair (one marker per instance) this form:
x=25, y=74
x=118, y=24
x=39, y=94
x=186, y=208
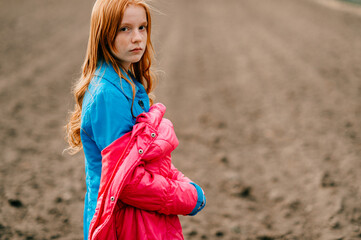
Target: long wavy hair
x=104, y=25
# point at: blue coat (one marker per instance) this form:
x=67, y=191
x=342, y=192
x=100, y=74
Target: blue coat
x=106, y=116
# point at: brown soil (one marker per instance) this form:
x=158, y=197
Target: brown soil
x=265, y=98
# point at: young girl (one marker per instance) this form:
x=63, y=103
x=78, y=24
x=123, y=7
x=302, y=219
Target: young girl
x=133, y=190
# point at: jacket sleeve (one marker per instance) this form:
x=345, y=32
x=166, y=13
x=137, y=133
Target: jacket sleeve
x=154, y=192
x=175, y=174
x=110, y=116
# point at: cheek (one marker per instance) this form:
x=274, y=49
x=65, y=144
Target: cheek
x=145, y=38
x=119, y=43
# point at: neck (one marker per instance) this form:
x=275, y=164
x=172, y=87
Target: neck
x=125, y=66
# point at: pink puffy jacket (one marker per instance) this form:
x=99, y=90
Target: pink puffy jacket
x=141, y=192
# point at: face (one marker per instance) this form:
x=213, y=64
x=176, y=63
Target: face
x=131, y=39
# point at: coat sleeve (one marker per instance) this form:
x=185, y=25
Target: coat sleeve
x=110, y=116
x=154, y=192
x=175, y=174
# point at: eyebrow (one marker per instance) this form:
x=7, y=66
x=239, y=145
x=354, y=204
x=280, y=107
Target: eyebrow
x=125, y=23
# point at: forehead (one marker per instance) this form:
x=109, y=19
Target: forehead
x=134, y=14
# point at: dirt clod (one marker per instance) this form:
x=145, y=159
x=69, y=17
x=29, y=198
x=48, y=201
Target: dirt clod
x=15, y=203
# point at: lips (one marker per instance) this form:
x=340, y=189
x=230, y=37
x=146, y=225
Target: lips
x=136, y=49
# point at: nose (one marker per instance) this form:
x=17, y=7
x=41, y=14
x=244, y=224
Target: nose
x=137, y=37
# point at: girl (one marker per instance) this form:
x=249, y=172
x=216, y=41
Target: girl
x=133, y=190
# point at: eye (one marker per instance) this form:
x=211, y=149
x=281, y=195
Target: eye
x=142, y=27
x=124, y=29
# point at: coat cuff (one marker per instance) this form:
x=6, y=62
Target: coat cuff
x=201, y=202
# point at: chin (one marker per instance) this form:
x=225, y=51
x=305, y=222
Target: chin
x=135, y=60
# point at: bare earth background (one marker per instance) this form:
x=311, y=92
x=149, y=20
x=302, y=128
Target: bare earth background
x=265, y=97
